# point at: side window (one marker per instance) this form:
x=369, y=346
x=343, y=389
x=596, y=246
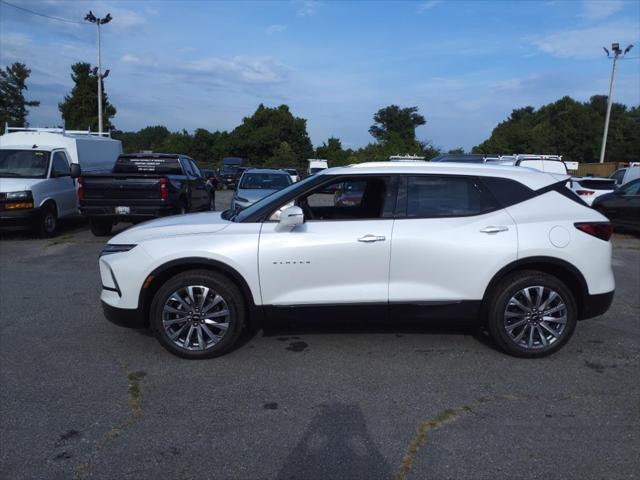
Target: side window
x=618, y=176
x=186, y=166
x=195, y=169
x=356, y=198
x=508, y=192
x=632, y=188
x=447, y=196
x=60, y=165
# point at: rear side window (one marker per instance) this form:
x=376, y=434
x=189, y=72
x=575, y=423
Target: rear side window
x=597, y=184
x=506, y=191
x=447, y=196
x=160, y=165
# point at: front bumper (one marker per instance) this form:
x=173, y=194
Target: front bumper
x=124, y=317
x=23, y=218
x=595, y=305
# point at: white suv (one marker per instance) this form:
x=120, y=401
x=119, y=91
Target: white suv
x=507, y=246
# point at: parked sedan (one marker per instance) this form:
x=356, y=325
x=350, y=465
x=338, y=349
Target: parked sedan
x=622, y=206
x=256, y=184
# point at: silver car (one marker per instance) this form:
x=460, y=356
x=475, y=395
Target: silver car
x=257, y=183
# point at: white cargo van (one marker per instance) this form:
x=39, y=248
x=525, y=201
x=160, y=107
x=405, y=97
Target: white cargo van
x=36, y=188
x=316, y=165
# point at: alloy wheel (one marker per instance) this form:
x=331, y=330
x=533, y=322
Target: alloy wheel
x=535, y=317
x=195, y=317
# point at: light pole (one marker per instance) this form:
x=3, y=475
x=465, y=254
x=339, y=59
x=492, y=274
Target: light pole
x=90, y=17
x=615, y=47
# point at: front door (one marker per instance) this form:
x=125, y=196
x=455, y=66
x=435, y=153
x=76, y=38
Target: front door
x=62, y=188
x=339, y=255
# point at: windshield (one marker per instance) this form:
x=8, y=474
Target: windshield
x=291, y=171
x=264, y=181
x=24, y=163
x=153, y=165
x=228, y=170
x=240, y=216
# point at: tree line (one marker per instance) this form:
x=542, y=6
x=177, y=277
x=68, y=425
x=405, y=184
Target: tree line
x=274, y=137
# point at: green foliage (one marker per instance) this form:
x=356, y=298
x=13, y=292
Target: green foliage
x=13, y=83
x=569, y=128
x=395, y=123
x=332, y=151
x=457, y=151
x=283, y=156
x=80, y=108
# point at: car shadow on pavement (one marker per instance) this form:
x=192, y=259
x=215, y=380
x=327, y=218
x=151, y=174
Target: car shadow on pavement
x=67, y=226
x=335, y=445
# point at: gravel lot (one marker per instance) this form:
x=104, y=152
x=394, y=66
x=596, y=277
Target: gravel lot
x=82, y=398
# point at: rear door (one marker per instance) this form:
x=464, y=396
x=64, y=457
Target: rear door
x=449, y=238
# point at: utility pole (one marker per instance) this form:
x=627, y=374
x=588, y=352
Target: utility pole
x=90, y=17
x=615, y=47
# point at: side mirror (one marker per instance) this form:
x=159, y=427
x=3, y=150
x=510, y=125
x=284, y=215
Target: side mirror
x=74, y=170
x=291, y=216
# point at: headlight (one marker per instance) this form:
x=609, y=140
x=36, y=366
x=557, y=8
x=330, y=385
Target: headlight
x=24, y=195
x=113, y=248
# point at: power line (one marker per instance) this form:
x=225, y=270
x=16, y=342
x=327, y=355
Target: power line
x=41, y=14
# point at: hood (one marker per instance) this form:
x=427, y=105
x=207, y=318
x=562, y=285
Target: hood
x=173, y=226
x=18, y=184
x=254, y=195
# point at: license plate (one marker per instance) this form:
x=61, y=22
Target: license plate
x=123, y=210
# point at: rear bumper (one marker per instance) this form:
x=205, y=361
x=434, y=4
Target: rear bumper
x=26, y=218
x=124, y=317
x=595, y=305
x=137, y=212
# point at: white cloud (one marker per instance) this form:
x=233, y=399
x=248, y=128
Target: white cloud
x=244, y=69
x=586, y=42
x=276, y=28
x=428, y=5
x=149, y=60
x=308, y=8
x=601, y=8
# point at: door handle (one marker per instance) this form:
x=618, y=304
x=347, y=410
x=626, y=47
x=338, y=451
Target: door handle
x=372, y=238
x=494, y=229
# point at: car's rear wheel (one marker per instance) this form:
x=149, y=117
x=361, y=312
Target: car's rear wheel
x=532, y=314
x=198, y=314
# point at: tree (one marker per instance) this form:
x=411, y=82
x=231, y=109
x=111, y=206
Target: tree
x=149, y=138
x=259, y=135
x=569, y=128
x=457, y=151
x=333, y=152
x=80, y=108
x=398, y=122
x=13, y=83
x=283, y=156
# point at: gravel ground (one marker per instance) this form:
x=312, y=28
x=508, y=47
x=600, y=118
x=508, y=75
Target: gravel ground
x=82, y=398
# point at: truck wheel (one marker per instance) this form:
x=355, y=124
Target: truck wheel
x=48, y=224
x=100, y=228
x=198, y=314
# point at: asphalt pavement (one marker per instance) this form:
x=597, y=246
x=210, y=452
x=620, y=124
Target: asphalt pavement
x=82, y=398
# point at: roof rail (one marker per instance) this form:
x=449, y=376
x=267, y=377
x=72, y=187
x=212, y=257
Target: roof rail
x=61, y=130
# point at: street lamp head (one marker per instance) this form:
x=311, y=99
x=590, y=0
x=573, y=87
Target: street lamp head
x=626, y=50
x=90, y=17
x=105, y=74
x=606, y=51
x=106, y=19
x=616, y=48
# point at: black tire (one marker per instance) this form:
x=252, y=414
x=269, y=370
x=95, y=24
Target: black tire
x=182, y=208
x=48, y=221
x=218, y=285
x=100, y=228
x=501, y=301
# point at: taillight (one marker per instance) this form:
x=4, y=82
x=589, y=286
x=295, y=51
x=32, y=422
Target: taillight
x=601, y=230
x=585, y=192
x=80, y=188
x=164, y=189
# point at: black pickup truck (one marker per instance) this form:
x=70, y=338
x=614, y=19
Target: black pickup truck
x=142, y=186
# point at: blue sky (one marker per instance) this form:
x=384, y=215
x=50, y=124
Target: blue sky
x=465, y=64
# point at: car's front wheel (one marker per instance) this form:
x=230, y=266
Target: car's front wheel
x=532, y=314
x=198, y=314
